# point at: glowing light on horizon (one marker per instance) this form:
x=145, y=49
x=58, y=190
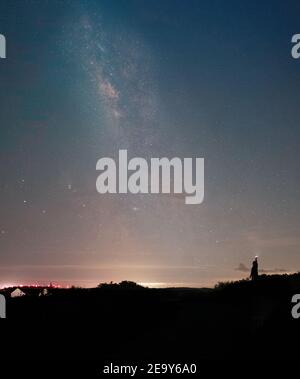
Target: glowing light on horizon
x=34, y=285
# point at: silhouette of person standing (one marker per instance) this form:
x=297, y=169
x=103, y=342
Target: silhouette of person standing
x=254, y=269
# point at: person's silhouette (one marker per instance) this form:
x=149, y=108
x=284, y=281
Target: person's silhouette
x=254, y=269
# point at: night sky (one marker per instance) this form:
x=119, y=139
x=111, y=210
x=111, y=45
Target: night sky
x=210, y=79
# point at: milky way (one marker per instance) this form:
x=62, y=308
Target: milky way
x=85, y=79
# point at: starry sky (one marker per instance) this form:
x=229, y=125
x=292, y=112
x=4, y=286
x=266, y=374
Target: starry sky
x=210, y=79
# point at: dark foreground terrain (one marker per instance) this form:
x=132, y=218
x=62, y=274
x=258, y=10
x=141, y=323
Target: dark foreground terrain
x=241, y=320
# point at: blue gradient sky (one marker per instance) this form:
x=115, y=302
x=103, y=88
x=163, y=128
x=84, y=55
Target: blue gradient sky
x=210, y=79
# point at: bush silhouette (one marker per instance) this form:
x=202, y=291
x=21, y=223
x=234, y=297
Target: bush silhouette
x=125, y=284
